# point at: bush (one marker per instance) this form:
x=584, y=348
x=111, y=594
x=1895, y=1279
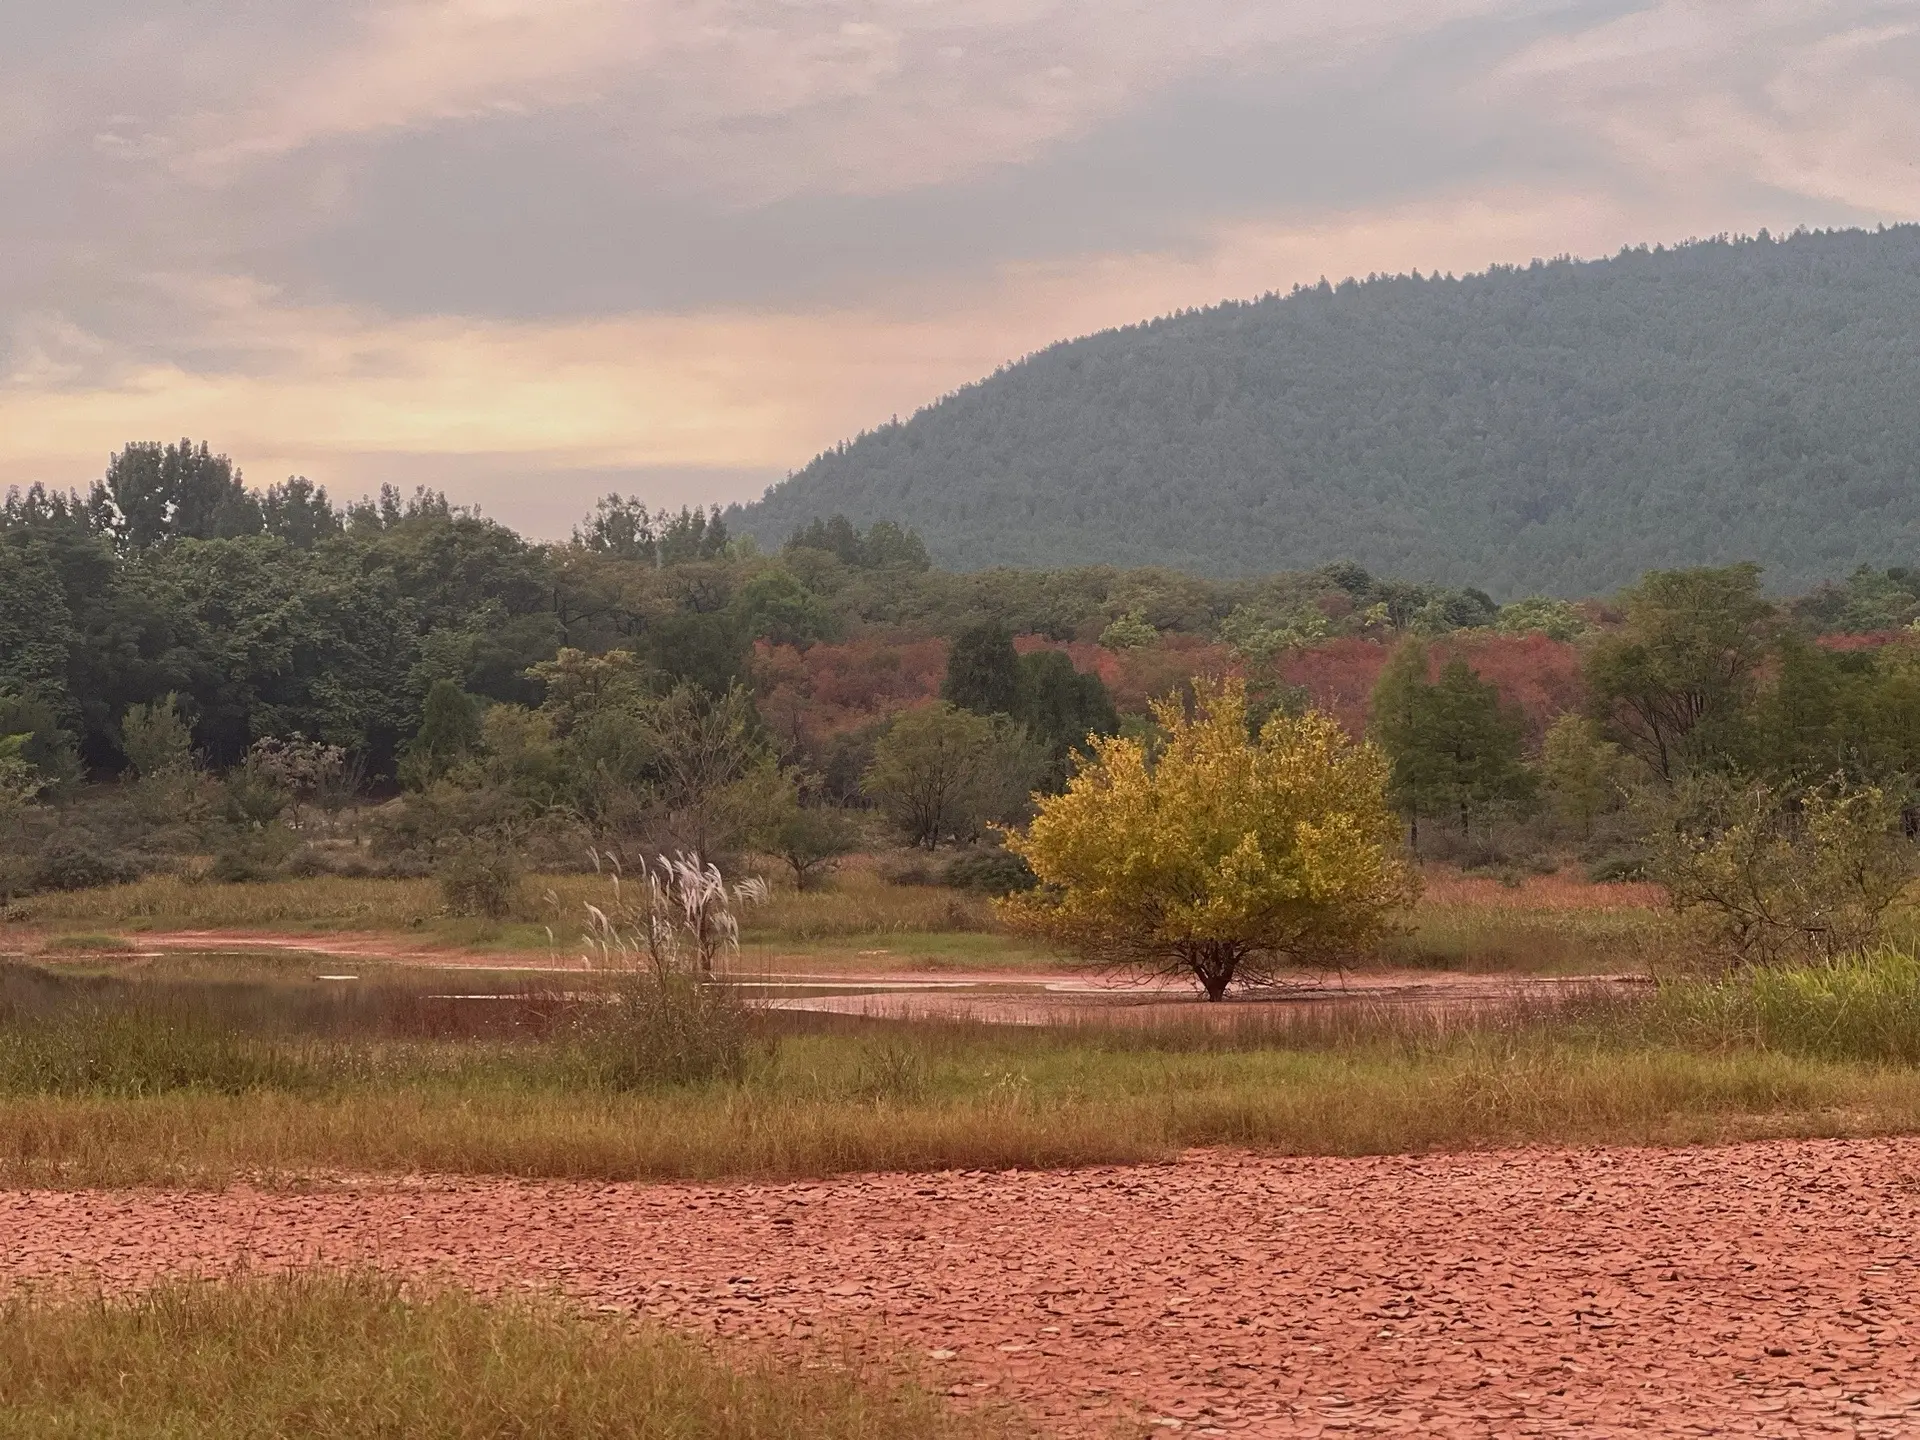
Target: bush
x=1618, y=870
x=669, y=1029
x=79, y=862
x=251, y=856
x=481, y=878
x=1779, y=875
x=991, y=872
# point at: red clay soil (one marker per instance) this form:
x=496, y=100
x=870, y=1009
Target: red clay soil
x=1765, y=1289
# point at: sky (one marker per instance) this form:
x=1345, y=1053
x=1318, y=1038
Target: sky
x=529, y=251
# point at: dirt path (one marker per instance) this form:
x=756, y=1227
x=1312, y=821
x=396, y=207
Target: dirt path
x=1755, y=1290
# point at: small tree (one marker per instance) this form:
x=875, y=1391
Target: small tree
x=308, y=771
x=20, y=782
x=942, y=772
x=1778, y=875
x=156, y=738
x=808, y=837
x=1581, y=771
x=449, y=732
x=1221, y=857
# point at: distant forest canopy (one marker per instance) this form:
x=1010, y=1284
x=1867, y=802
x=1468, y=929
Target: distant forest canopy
x=1555, y=428
x=277, y=613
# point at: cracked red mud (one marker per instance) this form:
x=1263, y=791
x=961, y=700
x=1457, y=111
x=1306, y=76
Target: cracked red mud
x=1765, y=1289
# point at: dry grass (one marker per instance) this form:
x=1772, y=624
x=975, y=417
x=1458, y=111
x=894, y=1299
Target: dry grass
x=166, y=902
x=857, y=902
x=831, y=1105
x=1448, y=889
x=354, y=1354
x=1542, y=925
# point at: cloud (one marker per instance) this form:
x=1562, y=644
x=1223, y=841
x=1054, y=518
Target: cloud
x=751, y=100
x=1813, y=97
x=676, y=239
x=285, y=386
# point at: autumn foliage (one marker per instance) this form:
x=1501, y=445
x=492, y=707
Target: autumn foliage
x=1220, y=856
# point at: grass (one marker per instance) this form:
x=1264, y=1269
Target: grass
x=855, y=920
x=854, y=910
x=354, y=1354
x=1543, y=925
x=198, y=1083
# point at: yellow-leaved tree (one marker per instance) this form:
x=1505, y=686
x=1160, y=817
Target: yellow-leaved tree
x=1217, y=855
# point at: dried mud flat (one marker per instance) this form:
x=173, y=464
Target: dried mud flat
x=1765, y=1289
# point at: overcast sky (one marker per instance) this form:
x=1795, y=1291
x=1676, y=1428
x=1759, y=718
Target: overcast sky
x=529, y=250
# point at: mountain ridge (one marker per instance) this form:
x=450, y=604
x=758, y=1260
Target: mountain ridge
x=1555, y=427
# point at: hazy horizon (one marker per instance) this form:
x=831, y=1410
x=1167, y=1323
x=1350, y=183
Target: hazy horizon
x=527, y=253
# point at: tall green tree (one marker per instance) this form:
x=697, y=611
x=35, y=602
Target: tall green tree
x=1061, y=708
x=1455, y=749
x=1673, y=683
x=983, y=672
x=183, y=491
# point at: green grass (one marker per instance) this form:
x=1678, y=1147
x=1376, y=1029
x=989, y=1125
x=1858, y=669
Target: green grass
x=338, y=1355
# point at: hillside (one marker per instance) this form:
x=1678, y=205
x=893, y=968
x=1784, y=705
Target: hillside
x=1559, y=427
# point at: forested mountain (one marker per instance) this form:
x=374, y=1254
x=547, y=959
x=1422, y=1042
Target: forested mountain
x=1559, y=428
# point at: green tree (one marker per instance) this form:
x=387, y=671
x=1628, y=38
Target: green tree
x=44, y=743
x=20, y=780
x=1672, y=684
x=1580, y=770
x=449, y=732
x=776, y=607
x=1543, y=615
x=621, y=528
x=183, y=491
x=807, y=836
x=983, y=672
x=1455, y=749
x=943, y=772
x=156, y=738
x=1129, y=632
x=1061, y=708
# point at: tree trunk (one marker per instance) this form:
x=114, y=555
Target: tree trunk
x=1213, y=967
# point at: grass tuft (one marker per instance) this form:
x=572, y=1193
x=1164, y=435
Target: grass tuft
x=356, y=1354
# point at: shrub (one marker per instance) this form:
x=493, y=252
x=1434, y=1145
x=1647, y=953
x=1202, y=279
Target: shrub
x=481, y=877
x=990, y=872
x=78, y=862
x=1864, y=1008
x=668, y=1029
x=1772, y=875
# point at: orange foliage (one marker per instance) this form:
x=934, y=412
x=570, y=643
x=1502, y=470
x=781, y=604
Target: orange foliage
x=1539, y=676
x=808, y=695
x=1338, y=677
